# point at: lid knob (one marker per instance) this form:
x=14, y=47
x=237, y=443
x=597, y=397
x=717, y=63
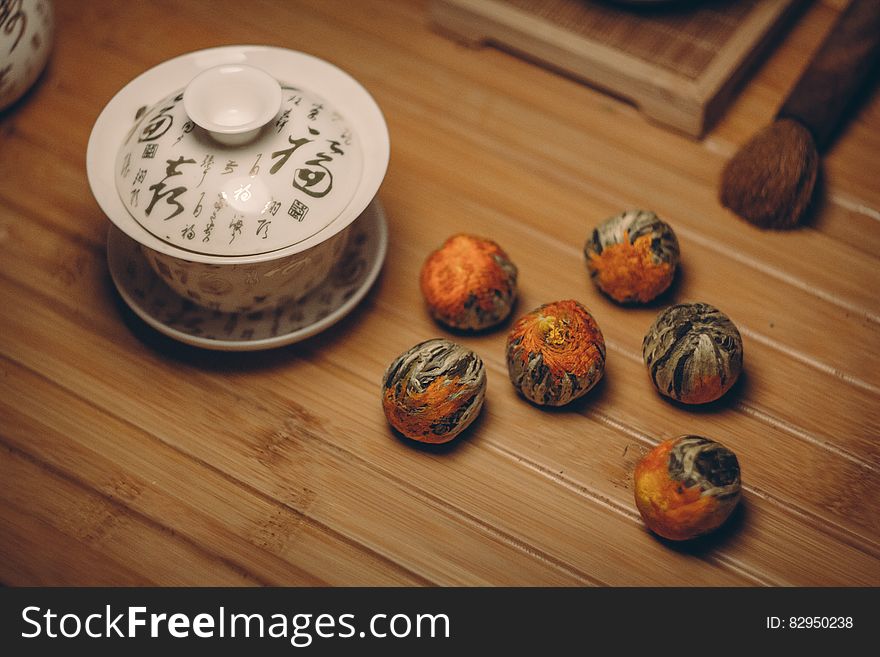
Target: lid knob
x=232, y=102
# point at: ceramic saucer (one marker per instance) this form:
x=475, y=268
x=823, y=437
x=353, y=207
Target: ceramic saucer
x=167, y=312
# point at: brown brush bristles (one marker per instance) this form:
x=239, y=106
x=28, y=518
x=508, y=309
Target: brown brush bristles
x=770, y=181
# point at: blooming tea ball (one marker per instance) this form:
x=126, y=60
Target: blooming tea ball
x=632, y=256
x=469, y=283
x=694, y=353
x=556, y=353
x=687, y=486
x=432, y=392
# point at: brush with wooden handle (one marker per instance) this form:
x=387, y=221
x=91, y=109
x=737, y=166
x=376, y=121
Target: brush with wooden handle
x=770, y=180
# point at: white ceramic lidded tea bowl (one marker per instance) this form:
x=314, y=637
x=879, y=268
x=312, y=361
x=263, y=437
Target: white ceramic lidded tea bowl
x=238, y=170
x=26, y=32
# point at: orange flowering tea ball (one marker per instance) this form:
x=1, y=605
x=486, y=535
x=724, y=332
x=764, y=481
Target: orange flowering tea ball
x=556, y=353
x=687, y=486
x=632, y=256
x=432, y=392
x=694, y=353
x=469, y=283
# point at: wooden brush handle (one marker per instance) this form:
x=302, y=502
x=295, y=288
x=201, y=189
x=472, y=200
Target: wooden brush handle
x=842, y=63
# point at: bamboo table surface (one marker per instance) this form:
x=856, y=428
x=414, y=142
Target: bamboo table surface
x=128, y=458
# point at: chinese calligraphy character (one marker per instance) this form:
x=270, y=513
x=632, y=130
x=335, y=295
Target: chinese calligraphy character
x=150, y=151
x=188, y=232
x=315, y=183
x=315, y=111
x=160, y=123
x=139, y=177
x=235, y=224
x=312, y=181
x=298, y=210
x=206, y=165
x=187, y=128
x=13, y=16
x=243, y=193
x=198, y=209
x=171, y=195
x=126, y=165
x=157, y=127
x=287, y=152
x=296, y=99
x=255, y=169
x=263, y=227
x=271, y=207
x=230, y=167
x=133, y=197
x=316, y=180
x=282, y=120
x=219, y=204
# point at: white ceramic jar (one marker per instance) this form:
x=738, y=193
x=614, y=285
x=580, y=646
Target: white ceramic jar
x=26, y=32
x=238, y=170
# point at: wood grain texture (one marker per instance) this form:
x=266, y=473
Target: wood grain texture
x=132, y=459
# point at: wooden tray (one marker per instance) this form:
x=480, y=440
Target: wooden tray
x=679, y=65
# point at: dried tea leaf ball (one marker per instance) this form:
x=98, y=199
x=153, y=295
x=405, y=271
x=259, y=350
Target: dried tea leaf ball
x=556, y=353
x=469, y=283
x=694, y=353
x=632, y=256
x=687, y=486
x=432, y=392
